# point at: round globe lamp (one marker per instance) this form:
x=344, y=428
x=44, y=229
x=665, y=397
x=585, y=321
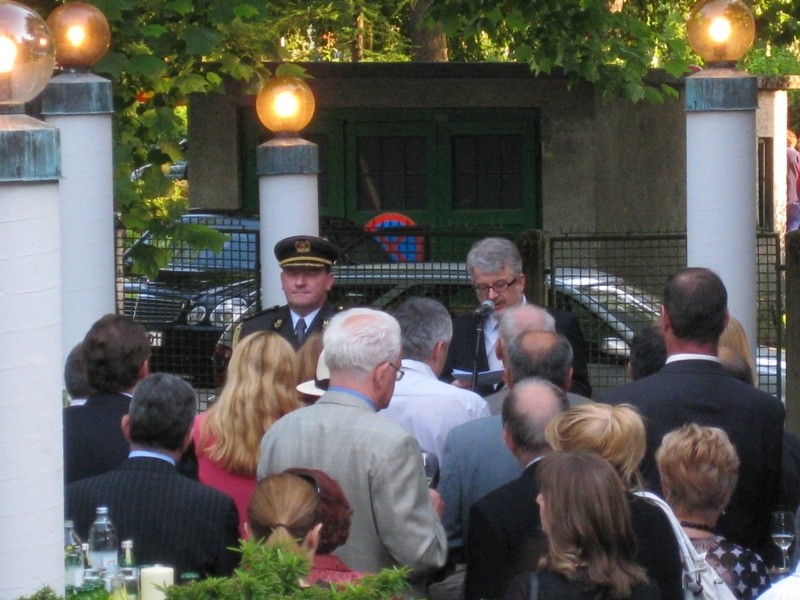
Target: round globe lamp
x=720, y=31
x=81, y=34
x=285, y=105
x=27, y=54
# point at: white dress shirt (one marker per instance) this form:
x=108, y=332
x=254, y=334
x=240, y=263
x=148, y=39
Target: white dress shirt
x=428, y=408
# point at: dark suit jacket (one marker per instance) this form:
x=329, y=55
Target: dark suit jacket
x=699, y=391
x=501, y=524
x=93, y=440
x=461, y=352
x=172, y=520
x=279, y=319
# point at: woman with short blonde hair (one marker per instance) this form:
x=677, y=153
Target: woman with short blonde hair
x=616, y=433
x=259, y=390
x=699, y=468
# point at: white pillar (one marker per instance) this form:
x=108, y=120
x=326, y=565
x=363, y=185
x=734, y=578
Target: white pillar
x=288, y=202
x=31, y=468
x=721, y=204
x=80, y=105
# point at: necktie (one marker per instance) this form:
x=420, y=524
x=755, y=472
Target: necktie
x=300, y=330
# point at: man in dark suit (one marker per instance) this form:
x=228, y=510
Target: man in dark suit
x=306, y=278
x=115, y=353
x=495, y=267
x=171, y=519
x=504, y=536
x=694, y=388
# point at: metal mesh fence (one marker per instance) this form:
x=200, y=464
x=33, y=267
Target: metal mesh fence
x=192, y=303
x=613, y=283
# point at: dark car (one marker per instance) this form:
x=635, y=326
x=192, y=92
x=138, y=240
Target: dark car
x=191, y=301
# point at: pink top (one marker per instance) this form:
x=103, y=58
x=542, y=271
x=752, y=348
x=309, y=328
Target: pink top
x=238, y=487
x=329, y=568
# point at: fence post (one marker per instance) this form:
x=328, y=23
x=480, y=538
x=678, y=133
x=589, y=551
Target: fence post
x=792, y=383
x=532, y=244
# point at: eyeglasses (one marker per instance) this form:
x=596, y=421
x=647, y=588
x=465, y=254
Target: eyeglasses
x=400, y=373
x=498, y=286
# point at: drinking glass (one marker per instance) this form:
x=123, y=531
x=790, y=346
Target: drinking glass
x=431, y=464
x=783, y=533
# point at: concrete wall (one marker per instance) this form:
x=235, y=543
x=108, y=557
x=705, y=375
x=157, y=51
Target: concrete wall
x=607, y=165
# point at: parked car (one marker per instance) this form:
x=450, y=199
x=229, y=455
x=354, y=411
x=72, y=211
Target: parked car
x=191, y=301
x=191, y=308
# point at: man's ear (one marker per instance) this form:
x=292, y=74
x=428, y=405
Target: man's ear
x=507, y=439
x=125, y=425
x=144, y=369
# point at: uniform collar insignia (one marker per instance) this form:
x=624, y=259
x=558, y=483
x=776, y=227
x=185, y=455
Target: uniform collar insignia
x=277, y=324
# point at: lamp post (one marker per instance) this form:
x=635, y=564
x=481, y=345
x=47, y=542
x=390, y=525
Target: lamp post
x=287, y=166
x=721, y=154
x=31, y=473
x=79, y=103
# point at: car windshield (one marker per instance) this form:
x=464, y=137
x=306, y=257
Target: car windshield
x=238, y=254
x=630, y=308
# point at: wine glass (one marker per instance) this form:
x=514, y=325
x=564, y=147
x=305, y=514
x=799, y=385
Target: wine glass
x=783, y=533
x=431, y=464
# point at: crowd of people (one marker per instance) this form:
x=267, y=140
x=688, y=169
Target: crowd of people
x=317, y=441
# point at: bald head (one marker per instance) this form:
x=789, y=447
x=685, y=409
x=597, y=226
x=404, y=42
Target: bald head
x=527, y=410
x=541, y=354
x=524, y=317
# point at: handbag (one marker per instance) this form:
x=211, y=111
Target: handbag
x=700, y=580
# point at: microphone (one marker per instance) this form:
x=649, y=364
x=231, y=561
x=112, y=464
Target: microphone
x=486, y=307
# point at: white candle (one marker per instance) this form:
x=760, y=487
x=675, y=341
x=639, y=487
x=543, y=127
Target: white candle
x=155, y=576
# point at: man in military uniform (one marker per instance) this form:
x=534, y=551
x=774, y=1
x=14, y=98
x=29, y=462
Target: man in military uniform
x=306, y=279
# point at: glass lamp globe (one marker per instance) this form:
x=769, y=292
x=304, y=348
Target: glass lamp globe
x=27, y=54
x=720, y=31
x=81, y=34
x=285, y=104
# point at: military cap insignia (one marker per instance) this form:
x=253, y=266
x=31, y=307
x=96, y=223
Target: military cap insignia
x=303, y=246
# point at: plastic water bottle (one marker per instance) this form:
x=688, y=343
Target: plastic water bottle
x=73, y=556
x=103, y=545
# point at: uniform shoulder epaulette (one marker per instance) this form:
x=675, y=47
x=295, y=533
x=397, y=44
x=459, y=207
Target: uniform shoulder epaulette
x=263, y=312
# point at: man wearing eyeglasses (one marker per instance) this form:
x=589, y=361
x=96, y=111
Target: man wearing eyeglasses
x=377, y=462
x=495, y=267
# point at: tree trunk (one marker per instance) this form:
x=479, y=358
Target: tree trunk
x=428, y=44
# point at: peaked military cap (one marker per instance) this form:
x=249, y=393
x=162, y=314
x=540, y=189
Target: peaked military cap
x=305, y=251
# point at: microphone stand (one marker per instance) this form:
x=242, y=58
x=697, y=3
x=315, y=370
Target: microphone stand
x=479, y=331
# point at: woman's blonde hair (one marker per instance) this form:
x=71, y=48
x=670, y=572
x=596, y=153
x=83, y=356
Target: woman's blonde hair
x=699, y=468
x=259, y=390
x=588, y=522
x=283, y=508
x=735, y=339
x=614, y=432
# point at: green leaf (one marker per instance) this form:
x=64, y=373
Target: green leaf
x=113, y=64
x=145, y=65
x=191, y=83
x=182, y=7
x=153, y=30
x=291, y=70
x=246, y=11
x=200, y=41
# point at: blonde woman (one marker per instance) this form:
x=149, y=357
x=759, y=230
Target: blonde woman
x=733, y=346
x=617, y=434
x=699, y=469
x=259, y=390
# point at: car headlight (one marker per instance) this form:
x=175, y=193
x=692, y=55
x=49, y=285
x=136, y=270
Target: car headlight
x=196, y=315
x=227, y=311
